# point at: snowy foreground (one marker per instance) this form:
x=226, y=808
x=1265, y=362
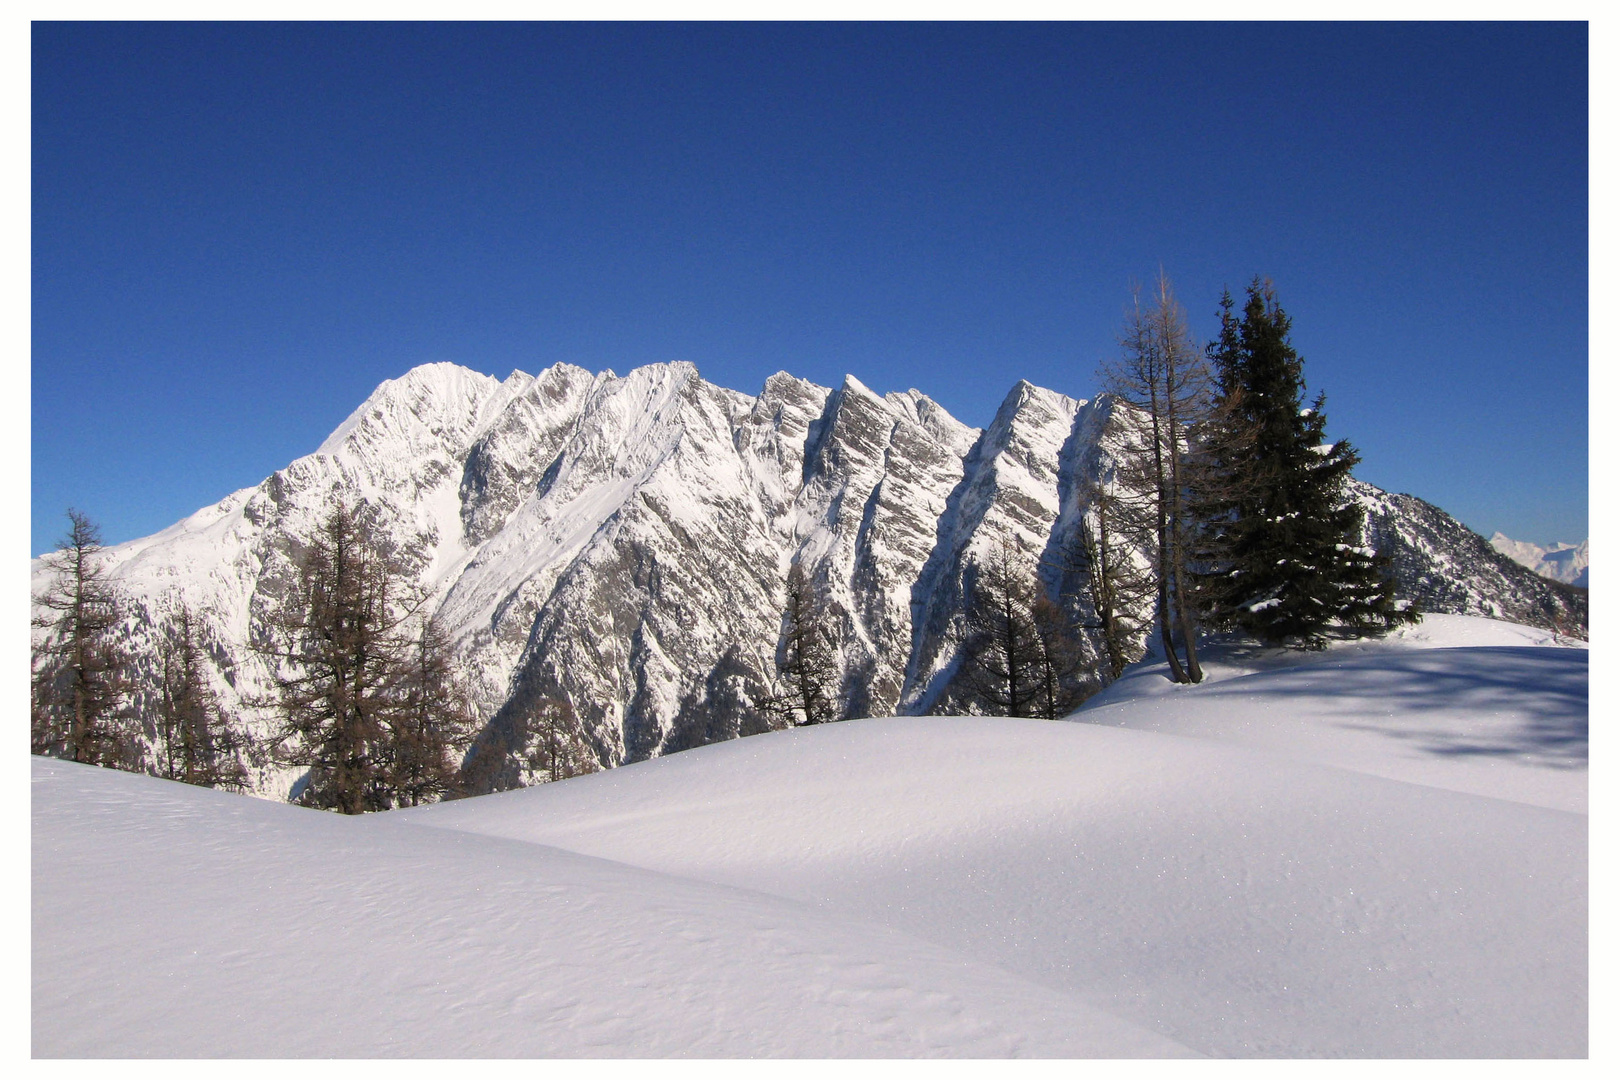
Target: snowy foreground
x=1378, y=851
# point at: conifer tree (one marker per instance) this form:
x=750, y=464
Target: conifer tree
x=1283, y=554
x=80, y=684
x=553, y=743
x=1116, y=587
x=806, y=661
x=197, y=743
x=335, y=662
x=337, y=654
x=535, y=738
x=364, y=691
x=430, y=722
x=1163, y=380
x=1059, y=660
x=1002, y=651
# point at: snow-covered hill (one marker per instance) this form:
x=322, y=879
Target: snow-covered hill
x=1560, y=562
x=623, y=542
x=1377, y=851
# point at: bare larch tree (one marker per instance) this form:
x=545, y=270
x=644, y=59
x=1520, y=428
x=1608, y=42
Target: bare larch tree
x=1164, y=380
x=1001, y=651
x=335, y=656
x=1104, y=576
x=553, y=743
x=807, y=664
x=197, y=743
x=80, y=684
x=1059, y=661
x=431, y=722
x=366, y=705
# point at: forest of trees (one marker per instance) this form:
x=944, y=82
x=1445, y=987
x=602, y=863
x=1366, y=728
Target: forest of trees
x=364, y=695
x=365, y=698
x=1217, y=506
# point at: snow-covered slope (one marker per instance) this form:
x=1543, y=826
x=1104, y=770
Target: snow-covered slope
x=1561, y=562
x=623, y=542
x=1296, y=859
x=178, y=922
x=1456, y=702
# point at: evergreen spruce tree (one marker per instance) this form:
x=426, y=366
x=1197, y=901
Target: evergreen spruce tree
x=1281, y=549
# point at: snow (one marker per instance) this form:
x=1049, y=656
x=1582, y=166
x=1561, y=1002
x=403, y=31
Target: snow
x=1564, y=562
x=437, y=394
x=188, y=922
x=619, y=541
x=1375, y=851
x=1455, y=702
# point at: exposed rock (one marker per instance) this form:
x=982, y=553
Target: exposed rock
x=623, y=542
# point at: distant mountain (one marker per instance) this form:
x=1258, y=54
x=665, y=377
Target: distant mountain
x=1441, y=565
x=1561, y=562
x=623, y=541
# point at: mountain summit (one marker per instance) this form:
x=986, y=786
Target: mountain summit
x=1560, y=562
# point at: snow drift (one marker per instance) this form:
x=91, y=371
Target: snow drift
x=1376, y=852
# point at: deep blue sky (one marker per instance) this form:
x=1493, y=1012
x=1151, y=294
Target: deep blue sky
x=240, y=229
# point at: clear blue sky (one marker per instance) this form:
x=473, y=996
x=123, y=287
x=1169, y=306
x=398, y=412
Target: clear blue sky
x=240, y=229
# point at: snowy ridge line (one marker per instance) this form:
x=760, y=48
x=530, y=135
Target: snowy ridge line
x=1567, y=563
x=622, y=541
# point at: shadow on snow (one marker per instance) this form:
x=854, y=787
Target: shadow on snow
x=1546, y=687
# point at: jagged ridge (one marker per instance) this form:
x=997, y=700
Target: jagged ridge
x=623, y=541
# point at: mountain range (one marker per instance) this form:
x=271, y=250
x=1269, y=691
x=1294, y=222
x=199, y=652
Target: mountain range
x=1561, y=562
x=623, y=541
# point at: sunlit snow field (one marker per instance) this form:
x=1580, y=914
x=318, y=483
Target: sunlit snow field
x=1376, y=851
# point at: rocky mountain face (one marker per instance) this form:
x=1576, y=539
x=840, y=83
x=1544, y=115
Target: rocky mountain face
x=623, y=541
x=1442, y=565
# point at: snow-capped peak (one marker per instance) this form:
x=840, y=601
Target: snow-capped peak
x=622, y=541
x=1560, y=561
